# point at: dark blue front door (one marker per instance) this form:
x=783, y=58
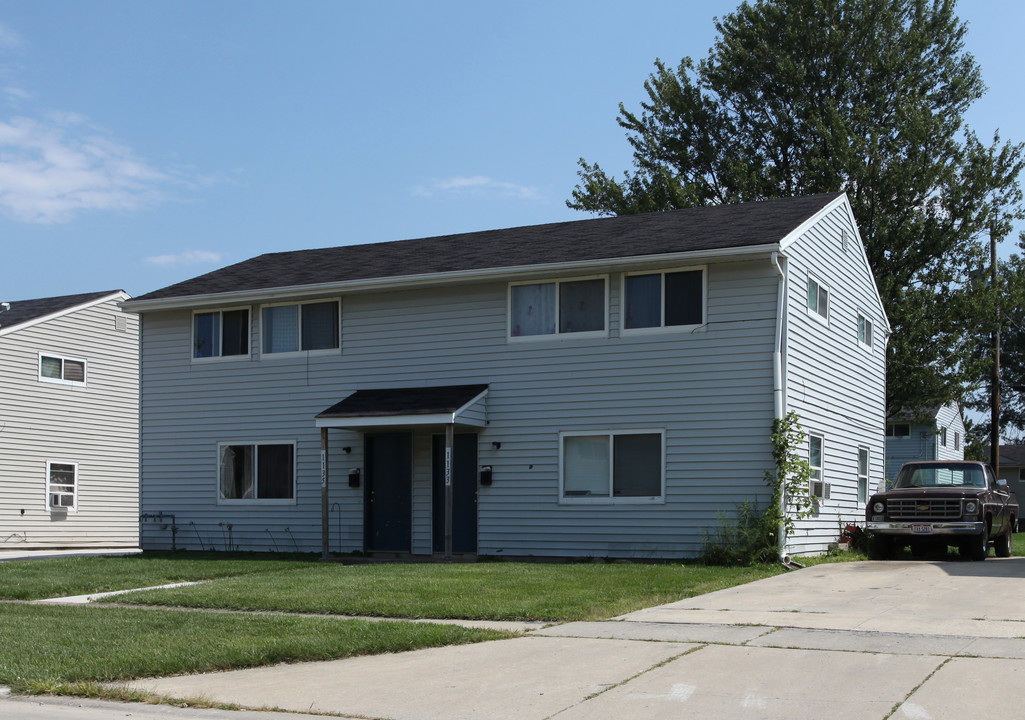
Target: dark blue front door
x=388, y=497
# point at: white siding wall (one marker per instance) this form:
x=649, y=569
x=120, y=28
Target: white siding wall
x=949, y=417
x=95, y=426
x=710, y=391
x=835, y=384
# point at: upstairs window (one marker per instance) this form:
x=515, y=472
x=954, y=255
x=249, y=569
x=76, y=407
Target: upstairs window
x=818, y=298
x=864, y=330
x=957, y=440
x=221, y=333
x=557, y=308
x=62, y=485
x=898, y=430
x=62, y=370
x=943, y=437
x=667, y=299
x=257, y=471
x=303, y=326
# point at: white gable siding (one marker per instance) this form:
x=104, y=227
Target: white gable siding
x=710, y=391
x=834, y=383
x=925, y=441
x=949, y=417
x=94, y=426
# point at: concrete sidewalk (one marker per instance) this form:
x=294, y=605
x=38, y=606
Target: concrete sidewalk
x=846, y=640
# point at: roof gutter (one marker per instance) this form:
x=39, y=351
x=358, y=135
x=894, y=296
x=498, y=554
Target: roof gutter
x=270, y=294
x=779, y=396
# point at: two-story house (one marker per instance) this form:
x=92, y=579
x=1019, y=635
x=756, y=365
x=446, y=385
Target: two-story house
x=603, y=388
x=69, y=423
x=935, y=433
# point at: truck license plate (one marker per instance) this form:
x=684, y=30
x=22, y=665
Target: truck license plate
x=920, y=529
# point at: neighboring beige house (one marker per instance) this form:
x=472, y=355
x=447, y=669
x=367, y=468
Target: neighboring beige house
x=69, y=423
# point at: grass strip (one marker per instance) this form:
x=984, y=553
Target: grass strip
x=44, y=646
x=59, y=577
x=480, y=591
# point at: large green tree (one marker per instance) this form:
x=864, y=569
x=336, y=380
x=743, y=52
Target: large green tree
x=866, y=96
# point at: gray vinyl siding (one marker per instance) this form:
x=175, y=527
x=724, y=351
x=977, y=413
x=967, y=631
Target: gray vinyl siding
x=94, y=426
x=835, y=384
x=709, y=390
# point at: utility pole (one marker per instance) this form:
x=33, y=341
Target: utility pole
x=994, y=421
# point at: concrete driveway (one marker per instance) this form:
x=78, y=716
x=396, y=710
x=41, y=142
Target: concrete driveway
x=912, y=640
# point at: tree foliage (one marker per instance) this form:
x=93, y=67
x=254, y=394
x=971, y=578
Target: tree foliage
x=866, y=96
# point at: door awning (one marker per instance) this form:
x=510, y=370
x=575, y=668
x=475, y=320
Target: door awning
x=441, y=405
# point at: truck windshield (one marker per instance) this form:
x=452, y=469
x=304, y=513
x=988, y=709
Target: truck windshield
x=916, y=476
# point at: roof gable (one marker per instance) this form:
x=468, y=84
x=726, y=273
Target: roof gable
x=23, y=313
x=714, y=228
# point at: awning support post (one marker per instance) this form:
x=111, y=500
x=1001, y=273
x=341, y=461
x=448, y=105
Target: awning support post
x=324, y=529
x=450, y=432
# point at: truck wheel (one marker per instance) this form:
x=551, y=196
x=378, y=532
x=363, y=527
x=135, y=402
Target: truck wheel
x=1002, y=545
x=977, y=546
x=880, y=547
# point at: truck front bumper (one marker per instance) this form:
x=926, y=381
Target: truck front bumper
x=925, y=529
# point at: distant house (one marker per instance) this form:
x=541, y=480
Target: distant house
x=69, y=423
x=930, y=434
x=1012, y=467
x=598, y=388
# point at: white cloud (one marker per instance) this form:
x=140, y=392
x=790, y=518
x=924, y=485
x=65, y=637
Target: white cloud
x=189, y=257
x=8, y=38
x=477, y=185
x=52, y=169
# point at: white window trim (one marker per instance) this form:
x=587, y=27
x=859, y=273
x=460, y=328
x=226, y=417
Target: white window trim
x=61, y=380
x=74, y=503
x=220, y=358
x=815, y=314
x=821, y=498
x=258, y=502
x=865, y=477
x=890, y=426
x=300, y=353
x=611, y=499
x=871, y=330
x=663, y=328
x=943, y=437
x=556, y=336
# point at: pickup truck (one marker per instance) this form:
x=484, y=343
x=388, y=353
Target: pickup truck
x=932, y=505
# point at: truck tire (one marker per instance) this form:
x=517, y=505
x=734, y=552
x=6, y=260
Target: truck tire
x=1002, y=546
x=977, y=546
x=880, y=547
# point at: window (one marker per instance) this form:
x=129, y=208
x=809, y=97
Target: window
x=62, y=485
x=62, y=370
x=669, y=299
x=603, y=467
x=221, y=333
x=957, y=440
x=557, y=308
x=898, y=430
x=864, y=330
x=862, y=474
x=257, y=471
x=943, y=437
x=818, y=298
x=304, y=326
x=819, y=489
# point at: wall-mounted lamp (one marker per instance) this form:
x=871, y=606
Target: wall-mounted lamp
x=347, y=449
x=485, y=475
x=497, y=445
x=354, y=478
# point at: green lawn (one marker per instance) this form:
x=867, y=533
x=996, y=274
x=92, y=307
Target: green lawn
x=66, y=649
x=58, y=577
x=486, y=590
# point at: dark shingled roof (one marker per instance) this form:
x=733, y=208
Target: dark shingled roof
x=404, y=401
x=676, y=231
x=23, y=311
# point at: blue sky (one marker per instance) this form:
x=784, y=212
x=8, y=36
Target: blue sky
x=143, y=143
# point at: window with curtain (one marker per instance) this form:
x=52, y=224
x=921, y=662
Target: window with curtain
x=62, y=485
x=818, y=298
x=303, y=326
x=220, y=333
x=612, y=466
x=257, y=471
x=63, y=370
x=557, y=308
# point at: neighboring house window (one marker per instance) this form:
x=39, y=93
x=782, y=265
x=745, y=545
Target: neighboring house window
x=819, y=489
x=898, y=430
x=863, y=474
x=957, y=440
x=557, y=308
x=864, y=330
x=256, y=471
x=665, y=299
x=943, y=437
x=624, y=466
x=62, y=370
x=303, y=326
x=221, y=333
x=1021, y=474
x=818, y=298
x=62, y=485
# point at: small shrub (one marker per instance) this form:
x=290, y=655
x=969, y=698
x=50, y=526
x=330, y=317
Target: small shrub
x=747, y=538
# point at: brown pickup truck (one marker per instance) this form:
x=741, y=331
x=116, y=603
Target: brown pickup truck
x=935, y=504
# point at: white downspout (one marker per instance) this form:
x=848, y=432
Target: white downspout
x=779, y=396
